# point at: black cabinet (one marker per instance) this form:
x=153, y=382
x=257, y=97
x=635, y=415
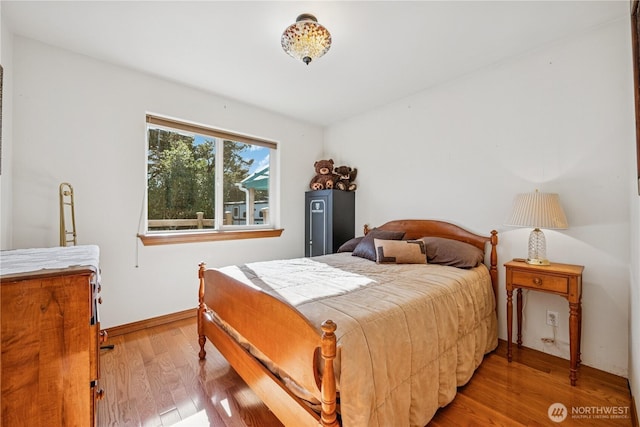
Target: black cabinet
x=329, y=220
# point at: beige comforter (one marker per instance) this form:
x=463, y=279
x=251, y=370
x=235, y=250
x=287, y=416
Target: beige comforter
x=408, y=335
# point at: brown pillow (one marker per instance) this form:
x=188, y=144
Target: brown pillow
x=366, y=248
x=400, y=251
x=350, y=245
x=452, y=252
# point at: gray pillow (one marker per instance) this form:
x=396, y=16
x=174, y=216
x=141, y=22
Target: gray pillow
x=366, y=248
x=452, y=252
x=350, y=245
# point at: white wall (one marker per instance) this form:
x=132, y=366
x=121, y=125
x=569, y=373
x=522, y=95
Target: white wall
x=6, y=49
x=634, y=297
x=559, y=119
x=634, y=301
x=83, y=121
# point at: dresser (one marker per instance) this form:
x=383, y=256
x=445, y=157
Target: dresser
x=50, y=336
x=329, y=220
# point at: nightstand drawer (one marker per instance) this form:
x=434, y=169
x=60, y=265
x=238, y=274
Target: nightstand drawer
x=541, y=281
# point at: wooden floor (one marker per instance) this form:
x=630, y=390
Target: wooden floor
x=154, y=378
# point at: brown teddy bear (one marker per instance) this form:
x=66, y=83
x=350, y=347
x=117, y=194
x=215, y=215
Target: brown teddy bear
x=345, y=177
x=324, y=178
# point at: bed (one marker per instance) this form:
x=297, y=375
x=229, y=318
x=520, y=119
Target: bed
x=341, y=340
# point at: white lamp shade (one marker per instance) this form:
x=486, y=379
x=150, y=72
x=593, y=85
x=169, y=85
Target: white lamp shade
x=538, y=210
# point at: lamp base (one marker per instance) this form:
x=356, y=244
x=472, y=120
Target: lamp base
x=537, y=248
x=537, y=261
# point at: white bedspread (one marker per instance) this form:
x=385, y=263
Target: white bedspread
x=19, y=261
x=408, y=335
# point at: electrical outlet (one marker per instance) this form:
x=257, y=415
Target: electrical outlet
x=552, y=318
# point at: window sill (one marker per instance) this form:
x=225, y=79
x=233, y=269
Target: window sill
x=209, y=236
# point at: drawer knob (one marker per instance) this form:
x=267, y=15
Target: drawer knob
x=100, y=394
x=103, y=336
x=537, y=281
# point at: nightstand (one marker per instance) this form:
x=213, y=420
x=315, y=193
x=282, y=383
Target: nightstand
x=560, y=279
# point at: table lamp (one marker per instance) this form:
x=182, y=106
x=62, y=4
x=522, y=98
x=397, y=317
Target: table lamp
x=538, y=210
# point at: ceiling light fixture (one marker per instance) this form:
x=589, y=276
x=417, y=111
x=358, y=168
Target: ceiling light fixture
x=306, y=40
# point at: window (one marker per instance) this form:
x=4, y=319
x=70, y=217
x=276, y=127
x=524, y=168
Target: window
x=204, y=183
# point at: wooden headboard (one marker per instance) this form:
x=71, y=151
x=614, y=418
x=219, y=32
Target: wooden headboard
x=417, y=228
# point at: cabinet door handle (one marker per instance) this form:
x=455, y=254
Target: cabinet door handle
x=537, y=281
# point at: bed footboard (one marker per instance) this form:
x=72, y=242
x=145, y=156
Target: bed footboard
x=328, y=383
x=283, y=335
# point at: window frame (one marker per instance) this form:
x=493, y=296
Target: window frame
x=220, y=231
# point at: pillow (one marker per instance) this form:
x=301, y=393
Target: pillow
x=350, y=245
x=366, y=248
x=400, y=251
x=452, y=252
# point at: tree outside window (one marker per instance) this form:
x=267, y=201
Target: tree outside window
x=184, y=169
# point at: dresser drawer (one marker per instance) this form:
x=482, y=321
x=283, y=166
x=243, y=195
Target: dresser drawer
x=541, y=281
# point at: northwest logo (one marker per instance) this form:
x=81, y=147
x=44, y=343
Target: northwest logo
x=557, y=412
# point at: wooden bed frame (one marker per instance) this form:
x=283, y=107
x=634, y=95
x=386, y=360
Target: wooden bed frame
x=287, y=338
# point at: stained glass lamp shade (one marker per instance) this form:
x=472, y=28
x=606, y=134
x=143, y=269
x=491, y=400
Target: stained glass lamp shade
x=306, y=40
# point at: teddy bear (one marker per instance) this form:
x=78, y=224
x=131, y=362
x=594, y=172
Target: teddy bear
x=345, y=177
x=324, y=178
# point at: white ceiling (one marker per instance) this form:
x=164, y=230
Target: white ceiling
x=382, y=50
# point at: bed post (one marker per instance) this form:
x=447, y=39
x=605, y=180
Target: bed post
x=493, y=271
x=328, y=416
x=201, y=337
